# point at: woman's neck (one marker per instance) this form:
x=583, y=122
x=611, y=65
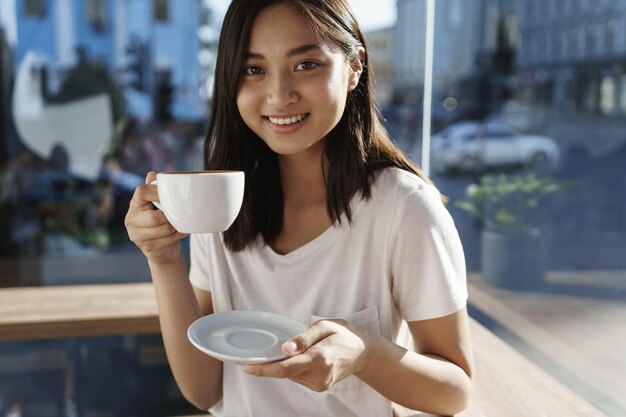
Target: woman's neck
x=305, y=216
x=302, y=177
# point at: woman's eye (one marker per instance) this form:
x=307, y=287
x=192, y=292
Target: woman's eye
x=307, y=65
x=253, y=71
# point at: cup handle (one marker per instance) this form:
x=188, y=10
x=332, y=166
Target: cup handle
x=156, y=203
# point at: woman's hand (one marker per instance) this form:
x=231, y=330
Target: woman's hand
x=326, y=353
x=149, y=229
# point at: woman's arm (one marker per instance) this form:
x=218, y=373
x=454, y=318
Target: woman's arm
x=435, y=378
x=198, y=376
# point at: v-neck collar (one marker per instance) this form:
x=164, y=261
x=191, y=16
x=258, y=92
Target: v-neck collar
x=316, y=243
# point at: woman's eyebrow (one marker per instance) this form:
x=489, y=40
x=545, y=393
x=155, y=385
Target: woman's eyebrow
x=299, y=50
x=305, y=48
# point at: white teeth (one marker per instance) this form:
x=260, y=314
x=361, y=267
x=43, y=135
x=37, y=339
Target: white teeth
x=288, y=120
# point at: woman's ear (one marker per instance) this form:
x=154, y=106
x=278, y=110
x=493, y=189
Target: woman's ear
x=356, y=68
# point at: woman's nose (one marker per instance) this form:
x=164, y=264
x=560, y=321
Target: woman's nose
x=282, y=91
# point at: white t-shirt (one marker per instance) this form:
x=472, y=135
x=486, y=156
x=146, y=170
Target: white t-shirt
x=399, y=259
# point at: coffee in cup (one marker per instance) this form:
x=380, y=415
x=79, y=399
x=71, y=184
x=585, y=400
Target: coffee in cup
x=200, y=201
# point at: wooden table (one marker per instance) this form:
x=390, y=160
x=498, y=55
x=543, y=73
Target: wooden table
x=507, y=384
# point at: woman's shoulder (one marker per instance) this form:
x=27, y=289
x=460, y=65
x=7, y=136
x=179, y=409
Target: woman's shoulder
x=405, y=198
x=399, y=183
x=399, y=193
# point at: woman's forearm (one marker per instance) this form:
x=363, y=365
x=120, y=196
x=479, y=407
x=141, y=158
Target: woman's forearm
x=198, y=376
x=419, y=382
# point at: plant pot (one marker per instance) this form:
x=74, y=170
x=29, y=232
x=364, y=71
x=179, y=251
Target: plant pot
x=514, y=261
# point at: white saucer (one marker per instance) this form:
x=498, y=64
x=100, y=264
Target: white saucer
x=244, y=337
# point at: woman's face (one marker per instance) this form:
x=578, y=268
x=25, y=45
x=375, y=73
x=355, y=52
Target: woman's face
x=294, y=86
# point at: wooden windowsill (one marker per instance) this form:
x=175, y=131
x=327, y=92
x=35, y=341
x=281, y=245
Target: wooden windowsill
x=58, y=312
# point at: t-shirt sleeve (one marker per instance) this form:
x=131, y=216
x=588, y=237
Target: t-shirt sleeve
x=427, y=260
x=199, y=271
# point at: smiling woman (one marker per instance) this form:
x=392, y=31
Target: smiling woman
x=293, y=84
x=333, y=213
x=322, y=185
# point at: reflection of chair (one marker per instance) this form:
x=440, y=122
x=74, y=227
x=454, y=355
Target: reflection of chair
x=83, y=128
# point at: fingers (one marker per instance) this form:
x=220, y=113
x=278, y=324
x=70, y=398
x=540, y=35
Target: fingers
x=145, y=225
x=159, y=243
x=309, y=369
x=288, y=368
x=144, y=196
x=297, y=348
x=140, y=217
x=318, y=331
x=151, y=176
x=147, y=218
x=148, y=228
x=145, y=234
x=321, y=356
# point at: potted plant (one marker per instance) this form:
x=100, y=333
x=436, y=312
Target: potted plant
x=508, y=208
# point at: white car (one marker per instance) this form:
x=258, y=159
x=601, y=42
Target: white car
x=469, y=146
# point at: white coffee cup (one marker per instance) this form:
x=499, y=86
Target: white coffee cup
x=200, y=201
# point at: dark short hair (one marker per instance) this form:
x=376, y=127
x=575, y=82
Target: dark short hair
x=355, y=149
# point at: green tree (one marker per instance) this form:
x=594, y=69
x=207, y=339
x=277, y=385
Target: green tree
x=89, y=78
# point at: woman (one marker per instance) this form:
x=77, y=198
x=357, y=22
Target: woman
x=338, y=229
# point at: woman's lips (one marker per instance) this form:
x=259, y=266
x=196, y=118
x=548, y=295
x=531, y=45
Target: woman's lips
x=286, y=124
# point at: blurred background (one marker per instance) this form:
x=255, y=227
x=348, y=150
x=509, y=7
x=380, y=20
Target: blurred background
x=528, y=143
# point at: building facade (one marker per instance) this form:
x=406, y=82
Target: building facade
x=161, y=34
x=571, y=54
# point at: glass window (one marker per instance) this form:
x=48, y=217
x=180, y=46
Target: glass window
x=161, y=10
x=592, y=39
x=547, y=46
x=83, y=119
x=610, y=33
x=568, y=111
x=35, y=8
x=573, y=42
x=608, y=94
x=557, y=44
x=96, y=13
x=622, y=96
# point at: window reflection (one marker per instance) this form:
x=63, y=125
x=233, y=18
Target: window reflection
x=93, y=97
x=95, y=93
x=554, y=73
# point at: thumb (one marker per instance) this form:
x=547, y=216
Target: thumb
x=150, y=177
x=300, y=343
x=290, y=347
